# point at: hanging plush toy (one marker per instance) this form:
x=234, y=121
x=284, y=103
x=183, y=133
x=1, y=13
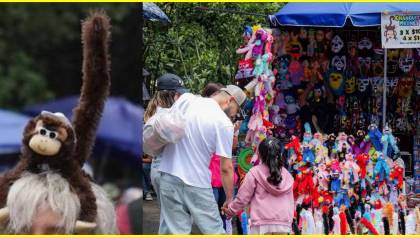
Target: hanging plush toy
x=294, y=147
x=335, y=176
x=389, y=143
x=381, y=173
x=321, y=46
x=361, y=143
x=283, y=79
x=295, y=48
x=311, y=43
x=397, y=174
x=362, y=162
x=296, y=73
x=303, y=40
x=246, y=65
x=375, y=137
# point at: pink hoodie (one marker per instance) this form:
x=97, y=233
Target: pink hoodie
x=270, y=205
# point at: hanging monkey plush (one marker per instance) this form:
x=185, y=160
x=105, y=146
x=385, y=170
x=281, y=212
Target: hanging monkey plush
x=51, y=142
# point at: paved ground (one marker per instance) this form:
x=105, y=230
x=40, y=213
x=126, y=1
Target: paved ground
x=151, y=219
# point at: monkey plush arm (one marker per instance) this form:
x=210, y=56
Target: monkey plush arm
x=96, y=83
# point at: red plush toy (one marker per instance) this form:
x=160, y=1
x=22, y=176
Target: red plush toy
x=362, y=162
x=398, y=174
x=295, y=145
x=303, y=184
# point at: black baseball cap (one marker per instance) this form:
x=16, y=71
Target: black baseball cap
x=171, y=82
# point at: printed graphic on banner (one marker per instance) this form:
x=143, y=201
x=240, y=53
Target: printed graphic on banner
x=400, y=30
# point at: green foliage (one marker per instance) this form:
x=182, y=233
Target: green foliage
x=200, y=45
x=41, y=51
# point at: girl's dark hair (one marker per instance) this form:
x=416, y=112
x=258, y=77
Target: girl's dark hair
x=270, y=151
x=210, y=89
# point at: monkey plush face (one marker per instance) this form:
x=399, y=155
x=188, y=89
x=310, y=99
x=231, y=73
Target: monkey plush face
x=47, y=140
x=49, y=134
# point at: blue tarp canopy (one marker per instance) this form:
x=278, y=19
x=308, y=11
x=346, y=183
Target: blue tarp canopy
x=120, y=126
x=11, y=126
x=152, y=12
x=336, y=14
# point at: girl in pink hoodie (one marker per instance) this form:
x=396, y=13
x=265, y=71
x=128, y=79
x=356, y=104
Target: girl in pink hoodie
x=268, y=189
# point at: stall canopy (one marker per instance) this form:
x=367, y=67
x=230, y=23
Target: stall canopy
x=11, y=126
x=120, y=126
x=336, y=14
x=152, y=12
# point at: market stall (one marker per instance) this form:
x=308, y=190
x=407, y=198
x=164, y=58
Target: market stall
x=317, y=81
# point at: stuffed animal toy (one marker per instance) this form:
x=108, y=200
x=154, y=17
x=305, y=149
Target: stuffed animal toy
x=303, y=184
x=389, y=143
x=303, y=40
x=335, y=176
x=319, y=224
x=296, y=73
x=361, y=143
x=410, y=223
x=294, y=146
x=307, y=221
x=291, y=106
x=336, y=218
x=246, y=65
x=52, y=143
x=353, y=168
x=362, y=162
x=261, y=37
x=342, y=144
x=375, y=137
x=295, y=48
x=311, y=43
x=397, y=174
x=331, y=144
x=284, y=43
x=321, y=45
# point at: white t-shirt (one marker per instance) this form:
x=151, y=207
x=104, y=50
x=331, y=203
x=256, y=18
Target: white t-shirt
x=208, y=131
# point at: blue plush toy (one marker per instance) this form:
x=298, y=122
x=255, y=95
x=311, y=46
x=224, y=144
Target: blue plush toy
x=342, y=198
x=308, y=155
x=381, y=169
x=335, y=182
x=375, y=137
x=389, y=143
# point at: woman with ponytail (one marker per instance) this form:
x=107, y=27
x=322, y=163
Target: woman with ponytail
x=268, y=190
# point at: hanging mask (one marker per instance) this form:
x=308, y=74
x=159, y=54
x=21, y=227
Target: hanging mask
x=363, y=84
x=377, y=84
x=406, y=64
x=405, y=86
x=336, y=44
x=320, y=36
x=378, y=68
x=365, y=43
x=350, y=85
x=339, y=62
x=351, y=45
x=391, y=84
x=393, y=61
x=418, y=86
x=336, y=82
x=365, y=62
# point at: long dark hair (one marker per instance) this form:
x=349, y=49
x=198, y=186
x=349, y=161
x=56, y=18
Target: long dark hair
x=270, y=151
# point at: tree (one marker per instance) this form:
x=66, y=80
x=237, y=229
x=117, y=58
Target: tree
x=41, y=52
x=199, y=45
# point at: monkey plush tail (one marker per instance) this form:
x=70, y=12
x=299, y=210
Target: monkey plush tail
x=96, y=82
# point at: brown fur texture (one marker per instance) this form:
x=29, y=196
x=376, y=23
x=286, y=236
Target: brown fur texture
x=78, y=145
x=96, y=83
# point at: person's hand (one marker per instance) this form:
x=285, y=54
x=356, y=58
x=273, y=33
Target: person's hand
x=228, y=213
x=237, y=125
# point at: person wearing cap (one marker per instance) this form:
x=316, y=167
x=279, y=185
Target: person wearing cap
x=186, y=194
x=169, y=88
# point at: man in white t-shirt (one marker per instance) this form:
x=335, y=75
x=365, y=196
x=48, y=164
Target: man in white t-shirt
x=185, y=183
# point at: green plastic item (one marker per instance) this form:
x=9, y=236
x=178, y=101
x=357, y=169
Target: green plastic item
x=245, y=166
